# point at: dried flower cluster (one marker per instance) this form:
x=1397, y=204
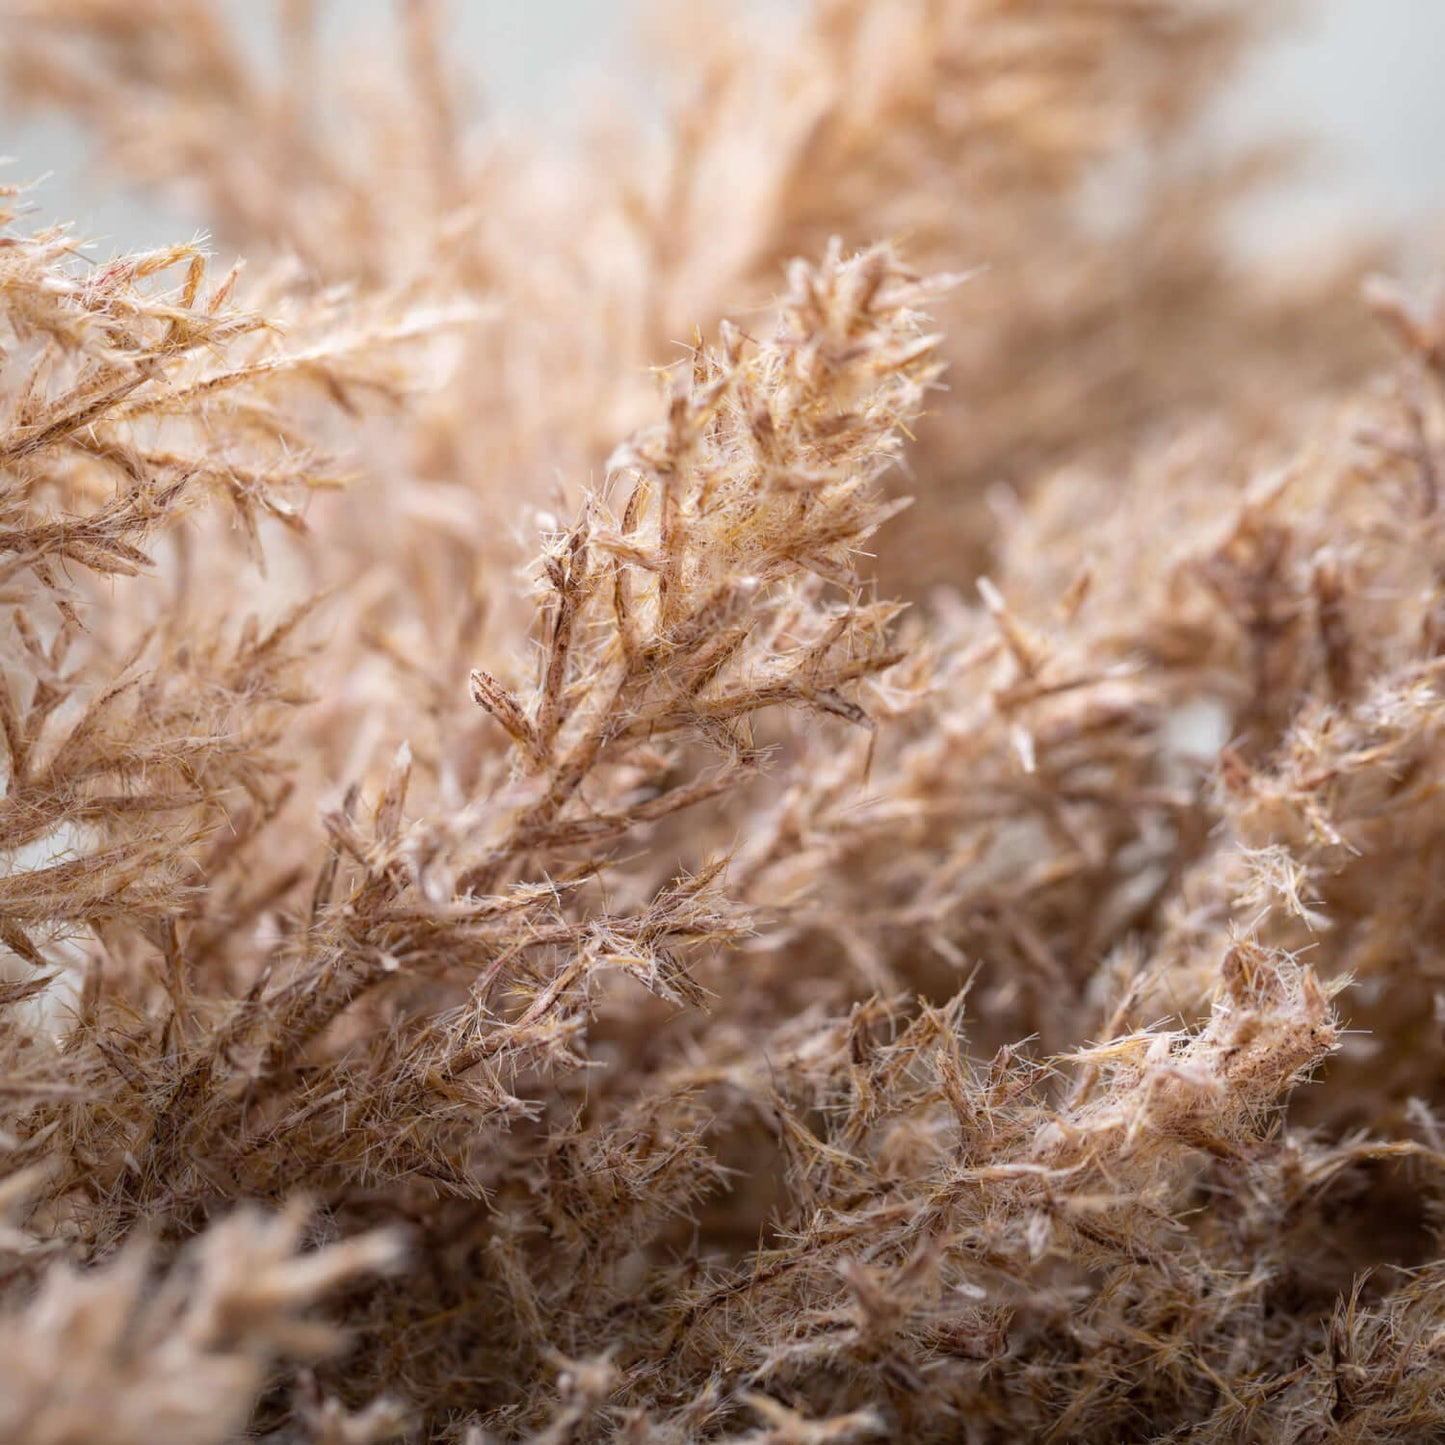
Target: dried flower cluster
x=509, y=934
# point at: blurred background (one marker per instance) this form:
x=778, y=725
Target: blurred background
x=1360, y=81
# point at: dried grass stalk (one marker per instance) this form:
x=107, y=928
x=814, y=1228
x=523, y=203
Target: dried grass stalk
x=663, y=990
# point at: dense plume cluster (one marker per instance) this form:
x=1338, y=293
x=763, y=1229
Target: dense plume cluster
x=543, y=900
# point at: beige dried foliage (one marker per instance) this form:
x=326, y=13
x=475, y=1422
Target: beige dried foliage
x=112, y=1355
x=510, y=934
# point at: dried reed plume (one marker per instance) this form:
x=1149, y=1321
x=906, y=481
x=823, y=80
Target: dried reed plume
x=509, y=934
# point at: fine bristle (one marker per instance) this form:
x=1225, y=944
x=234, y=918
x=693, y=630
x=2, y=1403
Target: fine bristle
x=766, y=778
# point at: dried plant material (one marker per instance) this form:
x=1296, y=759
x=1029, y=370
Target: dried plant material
x=112, y=1355
x=466, y=785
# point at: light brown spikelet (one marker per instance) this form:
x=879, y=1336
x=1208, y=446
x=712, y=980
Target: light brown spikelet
x=578, y=869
